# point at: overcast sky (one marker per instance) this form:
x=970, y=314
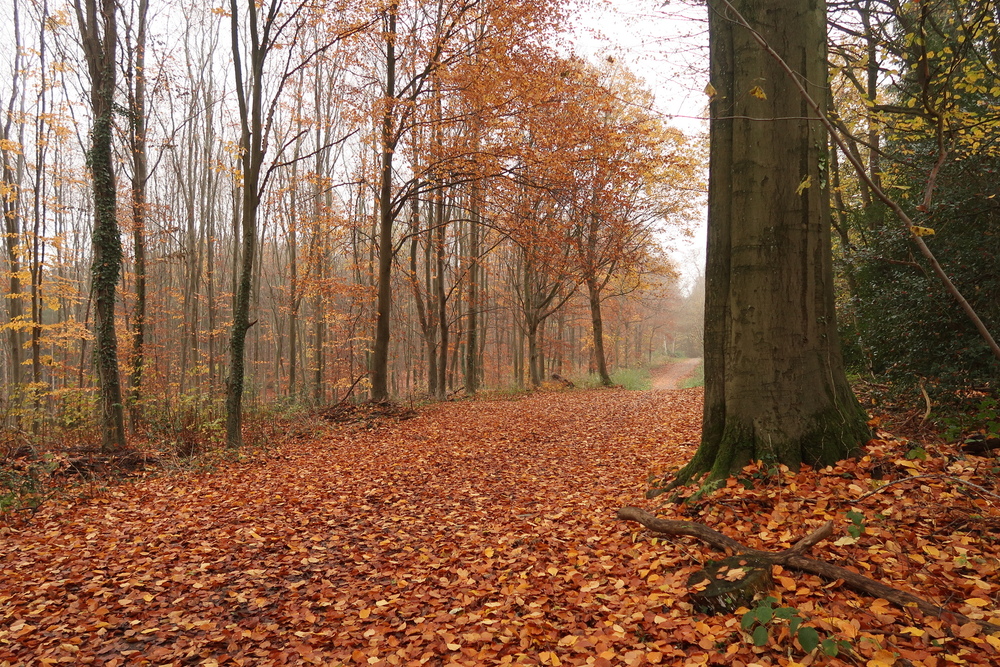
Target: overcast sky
x=667, y=45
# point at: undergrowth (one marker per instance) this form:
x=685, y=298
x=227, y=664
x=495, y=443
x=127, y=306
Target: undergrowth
x=635, y=379
x=65, y=458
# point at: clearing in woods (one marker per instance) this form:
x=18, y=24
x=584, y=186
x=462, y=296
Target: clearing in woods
x=479, y=533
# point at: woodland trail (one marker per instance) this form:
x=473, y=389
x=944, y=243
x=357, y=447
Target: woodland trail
x=475, y=531
x=670, y=376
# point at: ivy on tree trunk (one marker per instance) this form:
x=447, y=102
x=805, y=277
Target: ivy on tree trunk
x=99, y=37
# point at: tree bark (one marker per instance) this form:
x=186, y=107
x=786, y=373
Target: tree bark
x=13, y=169
x=379, y=371
x=472, y=371
x=597, y=323
x=99, y=39
x=140, y=174
x=775, y=387
x=251, y=143
x=440, y=294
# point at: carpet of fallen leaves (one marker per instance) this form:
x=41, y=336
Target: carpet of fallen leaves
x=483, y=533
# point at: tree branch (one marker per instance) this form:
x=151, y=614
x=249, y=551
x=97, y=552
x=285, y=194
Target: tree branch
x=792, y=558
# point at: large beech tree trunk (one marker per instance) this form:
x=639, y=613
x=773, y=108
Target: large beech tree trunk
x=775, y=387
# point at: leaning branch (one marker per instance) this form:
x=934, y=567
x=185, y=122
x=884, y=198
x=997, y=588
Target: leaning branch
x=793, y=559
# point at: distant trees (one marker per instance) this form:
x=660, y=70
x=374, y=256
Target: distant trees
x=397, y=198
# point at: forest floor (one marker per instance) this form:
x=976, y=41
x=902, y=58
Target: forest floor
x=483, y=533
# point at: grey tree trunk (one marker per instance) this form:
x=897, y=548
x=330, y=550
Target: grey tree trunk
x=251, y=143
x=99, y=39
x=440, y=295
x=13, y=170
x=140, y=174
x=379, y=369
x=40, y=206
x=472, y=371
x=775, y=388
x=597, y=323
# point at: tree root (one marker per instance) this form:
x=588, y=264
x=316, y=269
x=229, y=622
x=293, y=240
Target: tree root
x=793, y=558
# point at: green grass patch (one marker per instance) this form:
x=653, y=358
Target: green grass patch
x=636, y=379
x=696, y=380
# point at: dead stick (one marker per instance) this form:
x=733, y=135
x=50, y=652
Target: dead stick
x=957, y=480
x=793, y=559
x=927, y=401
x=809, y=541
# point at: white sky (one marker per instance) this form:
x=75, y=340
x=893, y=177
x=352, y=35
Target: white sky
x=667, y=45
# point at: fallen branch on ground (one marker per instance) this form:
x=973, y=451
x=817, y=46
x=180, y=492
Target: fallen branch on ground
x=793, y=559
x=950, y=478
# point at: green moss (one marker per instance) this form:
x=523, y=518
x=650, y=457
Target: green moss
x=834, y=435
x=732, y=582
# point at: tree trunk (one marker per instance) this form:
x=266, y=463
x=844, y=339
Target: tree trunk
x=775, y=387
x=533, y=375
x=319, y=242
x=13, y=169
x=140, y=173
x=597, y=321
x=379, y=370
x=440, y=294
x=98, y=35
x=472, y=371
x=36, y=270
x=252, y=156
x=425, y=318
x=293, y=266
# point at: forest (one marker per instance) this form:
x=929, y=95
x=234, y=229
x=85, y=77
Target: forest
x=327, y=200
x=329, y=330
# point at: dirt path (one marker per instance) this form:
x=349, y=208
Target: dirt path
x=670, y=376
x=477, y=533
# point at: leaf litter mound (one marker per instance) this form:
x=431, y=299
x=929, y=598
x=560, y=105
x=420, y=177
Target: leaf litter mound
x=483, y=532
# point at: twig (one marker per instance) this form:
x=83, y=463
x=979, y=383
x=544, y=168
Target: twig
x=957, y=480
x=350, y=390
x=809, y=541
x=927, y=400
